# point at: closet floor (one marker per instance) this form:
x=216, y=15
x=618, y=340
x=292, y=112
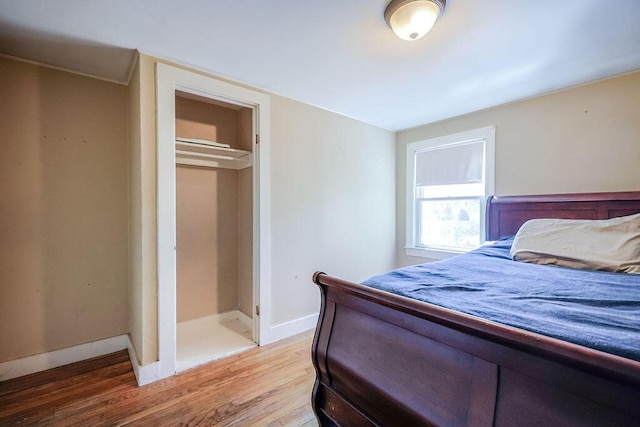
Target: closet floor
x=205, y=339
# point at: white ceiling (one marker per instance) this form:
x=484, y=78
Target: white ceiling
x=339, y=54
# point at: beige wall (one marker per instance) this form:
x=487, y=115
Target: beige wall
x=63, y=174
x=135, y=226
x=333, y=199
x=583, y=139
x=245, y=216
x=207, y=241
x=214, y=222
x=245, y=241
x=63, y=211
x=143, y=292
x=196, y=119
x=332, y=195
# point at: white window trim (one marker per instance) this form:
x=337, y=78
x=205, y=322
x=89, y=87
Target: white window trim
x=487, y=133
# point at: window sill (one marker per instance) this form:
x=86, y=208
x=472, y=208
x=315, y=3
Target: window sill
x=432, y=253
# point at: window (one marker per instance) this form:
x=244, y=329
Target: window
x=448, y=181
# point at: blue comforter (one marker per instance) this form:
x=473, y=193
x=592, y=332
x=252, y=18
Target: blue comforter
x=595, y=309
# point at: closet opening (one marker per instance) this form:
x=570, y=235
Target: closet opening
x=196, y=114
x=214, y=229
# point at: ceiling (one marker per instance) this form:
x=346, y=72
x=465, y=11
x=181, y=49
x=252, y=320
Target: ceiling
x=339, y=54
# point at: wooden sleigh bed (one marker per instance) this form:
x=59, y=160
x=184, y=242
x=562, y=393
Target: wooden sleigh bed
x=383, y=359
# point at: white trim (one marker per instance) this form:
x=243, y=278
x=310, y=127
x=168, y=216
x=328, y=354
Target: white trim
x=430, y=253
x=262, y=222
x=292, y=327
x=488, y=134
x=490, y=175
x=165, y=115
x=168, y=80
x=53, y=359
x=144, y=374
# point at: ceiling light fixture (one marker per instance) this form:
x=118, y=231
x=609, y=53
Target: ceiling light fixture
x=412, y=19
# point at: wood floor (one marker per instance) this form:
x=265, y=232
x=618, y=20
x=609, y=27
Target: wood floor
x=265, y=386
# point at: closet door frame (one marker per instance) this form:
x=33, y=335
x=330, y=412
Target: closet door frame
x=169, y=80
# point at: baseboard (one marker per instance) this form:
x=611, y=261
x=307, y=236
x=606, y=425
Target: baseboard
x=292, y=327
x=53, y=359
x=144, y=374
x=150, y=373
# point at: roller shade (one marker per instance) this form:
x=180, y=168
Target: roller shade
x=457, y=164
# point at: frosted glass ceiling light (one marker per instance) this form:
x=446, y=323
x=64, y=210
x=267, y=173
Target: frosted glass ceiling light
x=412, y=19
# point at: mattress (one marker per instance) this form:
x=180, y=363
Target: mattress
x=600, y=310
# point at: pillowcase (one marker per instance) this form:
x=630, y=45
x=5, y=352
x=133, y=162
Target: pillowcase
x=609, y=245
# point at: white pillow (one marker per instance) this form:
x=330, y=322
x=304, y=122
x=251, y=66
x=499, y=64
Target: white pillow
x=610, y=245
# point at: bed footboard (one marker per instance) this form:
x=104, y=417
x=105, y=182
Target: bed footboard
x=382, y=359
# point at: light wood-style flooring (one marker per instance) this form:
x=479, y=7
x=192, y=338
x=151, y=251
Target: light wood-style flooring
x=265, y=386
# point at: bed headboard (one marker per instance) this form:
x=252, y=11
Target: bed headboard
x=506, y=214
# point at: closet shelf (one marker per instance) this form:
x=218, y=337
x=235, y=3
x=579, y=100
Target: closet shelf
x=211, y=156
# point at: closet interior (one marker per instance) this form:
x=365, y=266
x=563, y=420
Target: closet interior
x=214, y=229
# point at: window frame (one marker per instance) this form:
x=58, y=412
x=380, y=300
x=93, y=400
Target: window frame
x=487, y=134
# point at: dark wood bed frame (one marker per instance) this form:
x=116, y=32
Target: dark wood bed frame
x=387, y=360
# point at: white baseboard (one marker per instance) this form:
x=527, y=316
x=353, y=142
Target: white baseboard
x=144, y=374
x=152, y=372
x=292, y=327
x=53, y=359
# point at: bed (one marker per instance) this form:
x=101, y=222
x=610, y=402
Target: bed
x=389, y=360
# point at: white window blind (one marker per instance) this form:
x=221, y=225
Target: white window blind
x=448, y=179
x=450, y=165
